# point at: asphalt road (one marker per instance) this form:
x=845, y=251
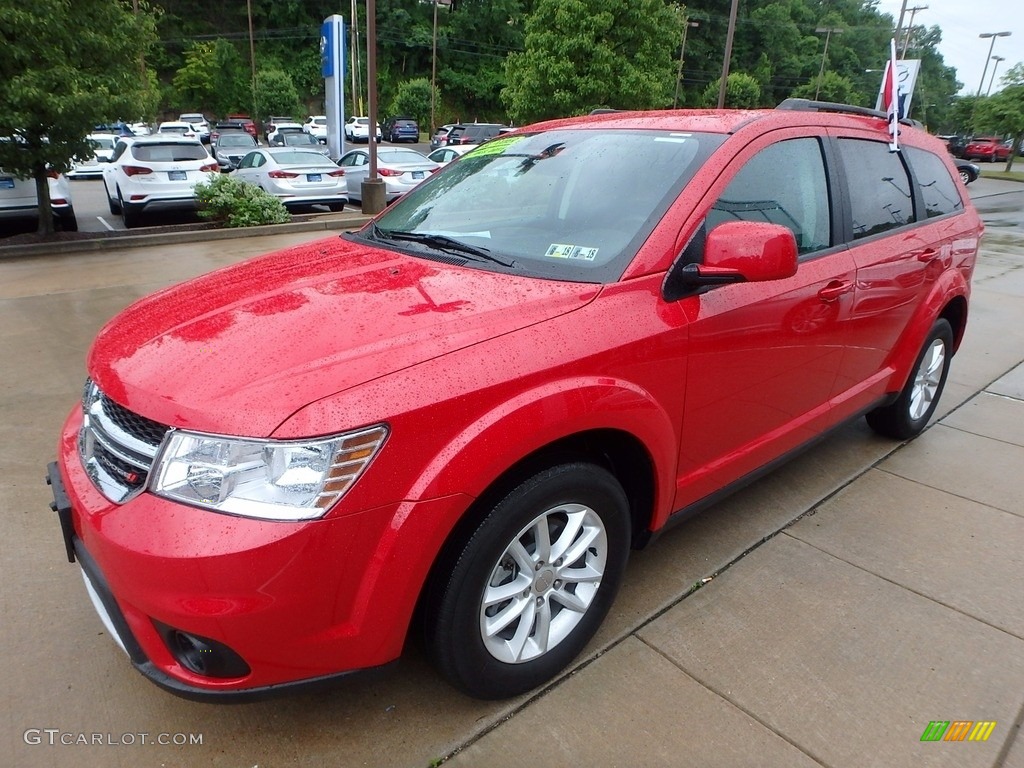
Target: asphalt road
x=93, y=212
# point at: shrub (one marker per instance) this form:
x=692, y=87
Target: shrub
x=234, y=203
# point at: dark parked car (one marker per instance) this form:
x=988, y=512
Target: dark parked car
x=968, y=171
x=397, y=129
x=231, y=147
x=474, y=133
x=955, y=144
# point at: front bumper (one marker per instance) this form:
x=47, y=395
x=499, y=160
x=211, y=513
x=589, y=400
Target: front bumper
x=302, y=604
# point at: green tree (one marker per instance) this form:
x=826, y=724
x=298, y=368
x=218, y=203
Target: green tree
x=275, y=93
x=413, y=99
x=582, y=54
x=832, y=87
x=214, y=78
x=64, y=67
x=742, y=91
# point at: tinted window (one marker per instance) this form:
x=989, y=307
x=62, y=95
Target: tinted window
x=156, y=153
x=941, y=194
x=782, y=184
x=880, y=196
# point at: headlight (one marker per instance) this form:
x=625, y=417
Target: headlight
x=273, y=480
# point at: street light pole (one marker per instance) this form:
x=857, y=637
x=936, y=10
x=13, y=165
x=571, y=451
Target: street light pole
x=682, y=50
x=828, y=36
x=433, y=74
x=995, y=66
x=984, y=72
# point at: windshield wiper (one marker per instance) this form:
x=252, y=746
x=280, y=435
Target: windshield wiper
x=440, y=242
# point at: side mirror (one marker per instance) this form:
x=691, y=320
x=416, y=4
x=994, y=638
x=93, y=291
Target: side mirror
x=737, y=252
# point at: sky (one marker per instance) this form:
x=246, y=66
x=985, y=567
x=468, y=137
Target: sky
x=961, y=21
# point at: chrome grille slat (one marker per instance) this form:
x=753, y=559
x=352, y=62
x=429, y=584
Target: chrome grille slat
x=117, y=446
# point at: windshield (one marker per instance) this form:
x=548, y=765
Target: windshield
x=237, y=140
x=568, y=204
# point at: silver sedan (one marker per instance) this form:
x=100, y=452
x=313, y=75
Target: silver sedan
x=400, y=169
x=297, y=177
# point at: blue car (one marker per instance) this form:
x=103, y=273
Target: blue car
x=401, y=129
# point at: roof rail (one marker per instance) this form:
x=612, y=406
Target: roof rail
x=809, y=105
x=603, y=111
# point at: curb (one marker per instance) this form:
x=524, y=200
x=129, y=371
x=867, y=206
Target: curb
x=172, y=234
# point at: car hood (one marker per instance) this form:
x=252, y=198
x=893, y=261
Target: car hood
x=241, y=349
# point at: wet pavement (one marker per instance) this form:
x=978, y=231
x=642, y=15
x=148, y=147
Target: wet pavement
x=846, y=601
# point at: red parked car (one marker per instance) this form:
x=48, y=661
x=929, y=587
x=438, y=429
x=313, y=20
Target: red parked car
x=992, y=149
x=459, y=420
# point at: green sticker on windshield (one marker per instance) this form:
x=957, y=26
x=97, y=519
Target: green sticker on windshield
x=494, y=146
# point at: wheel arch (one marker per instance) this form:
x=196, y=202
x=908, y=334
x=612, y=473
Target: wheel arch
x=615, y=450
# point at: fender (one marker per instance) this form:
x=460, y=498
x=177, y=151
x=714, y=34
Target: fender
x=950, y=286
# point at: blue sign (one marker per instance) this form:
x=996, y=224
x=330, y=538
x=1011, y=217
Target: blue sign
x=327, y=49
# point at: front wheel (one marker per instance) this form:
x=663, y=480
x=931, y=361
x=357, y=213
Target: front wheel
x=966, y=177
x=908, y=415
x=532, y=584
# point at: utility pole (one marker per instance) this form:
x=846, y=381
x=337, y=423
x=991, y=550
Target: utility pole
x=728, y=53
x=910, y=28
x=682, y=51
x=252, y=64
x=828, y=36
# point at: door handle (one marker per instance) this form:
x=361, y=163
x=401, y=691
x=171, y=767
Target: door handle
x=834, y=290
x=927, y=255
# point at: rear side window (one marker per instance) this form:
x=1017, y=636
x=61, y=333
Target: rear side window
x=880, y=191
x=782, y=184
x=940, y=193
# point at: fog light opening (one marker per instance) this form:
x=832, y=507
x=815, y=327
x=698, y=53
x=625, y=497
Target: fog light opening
x=201, y=655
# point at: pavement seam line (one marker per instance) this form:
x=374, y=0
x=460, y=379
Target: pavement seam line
x=913, y=591
x=733, y=703
x=951, y=493
x=1011, y=739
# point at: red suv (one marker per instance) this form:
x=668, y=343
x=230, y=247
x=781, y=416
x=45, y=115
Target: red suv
x=990, y=148
x=459, y=420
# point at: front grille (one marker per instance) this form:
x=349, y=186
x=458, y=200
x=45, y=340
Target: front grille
x=117, y=446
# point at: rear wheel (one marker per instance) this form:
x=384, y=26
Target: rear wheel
x=533, y=583
x=131, y=215
x=966, y=177
x=908, y=415
x=335, y=207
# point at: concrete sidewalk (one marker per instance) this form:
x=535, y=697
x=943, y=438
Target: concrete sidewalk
x=824, y=615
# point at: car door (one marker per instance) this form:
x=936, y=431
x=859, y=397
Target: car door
x=249, y=168
x=356, y=165
x=764, y=356
x=901, y=238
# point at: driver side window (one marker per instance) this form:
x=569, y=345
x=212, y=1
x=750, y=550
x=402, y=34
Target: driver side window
x=782, y=184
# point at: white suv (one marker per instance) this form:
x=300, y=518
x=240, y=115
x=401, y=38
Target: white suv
x=19, y=202
x=316, y=125
x=199, y=122
x=155, y=173
x=358, y=129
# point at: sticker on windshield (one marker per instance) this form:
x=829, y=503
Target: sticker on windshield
x=560, y=251
x=495, y=146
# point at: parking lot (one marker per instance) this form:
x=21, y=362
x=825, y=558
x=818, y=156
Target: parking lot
x=845, y=601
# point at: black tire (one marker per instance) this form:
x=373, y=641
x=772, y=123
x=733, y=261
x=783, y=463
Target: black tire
x=115, y=205
x=68, y=221
x=966, y=176
x=908, y=415
x=534, y=633
x=336, y=207
x=132, y=217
